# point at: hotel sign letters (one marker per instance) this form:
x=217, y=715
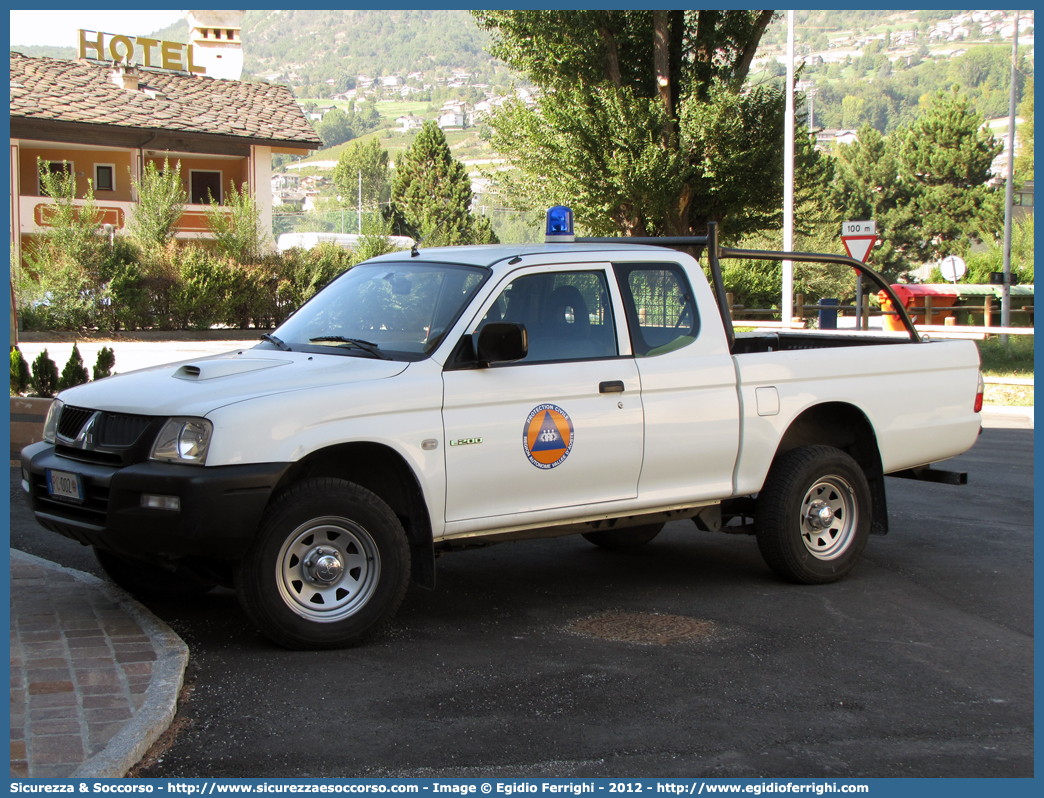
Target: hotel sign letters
x=120, y=49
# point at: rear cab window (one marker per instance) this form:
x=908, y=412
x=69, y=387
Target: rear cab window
x=660, y=307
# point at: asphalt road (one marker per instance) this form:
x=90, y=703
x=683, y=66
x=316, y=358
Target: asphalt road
x=919, y=663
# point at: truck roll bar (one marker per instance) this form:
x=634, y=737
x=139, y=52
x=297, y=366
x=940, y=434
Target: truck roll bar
x=716, y=252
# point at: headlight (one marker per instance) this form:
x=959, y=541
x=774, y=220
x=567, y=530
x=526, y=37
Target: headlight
x=51, y=422
x=183, y=440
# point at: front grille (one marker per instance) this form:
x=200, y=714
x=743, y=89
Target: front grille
x=89, y=455
x=71, y=421
x=115, y=439
x=121, y=430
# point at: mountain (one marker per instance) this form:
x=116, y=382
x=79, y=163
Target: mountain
x=316, y=46
x=305, y=47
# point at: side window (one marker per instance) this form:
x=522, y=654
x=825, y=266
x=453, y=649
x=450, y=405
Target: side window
x=567, y=315
x=661, y=311
x=104, y=177
x=64, y=168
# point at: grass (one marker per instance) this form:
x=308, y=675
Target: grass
x=462, y=144
x=1013, y=359
x=1011, y=395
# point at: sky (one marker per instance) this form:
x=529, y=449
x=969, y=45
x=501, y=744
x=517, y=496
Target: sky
x=58, y=28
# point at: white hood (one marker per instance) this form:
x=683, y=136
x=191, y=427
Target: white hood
x=196, y=387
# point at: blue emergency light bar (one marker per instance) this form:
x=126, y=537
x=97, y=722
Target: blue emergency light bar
x=559, y=225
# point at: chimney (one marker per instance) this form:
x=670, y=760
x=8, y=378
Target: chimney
x=216, y=42
x=126, y=77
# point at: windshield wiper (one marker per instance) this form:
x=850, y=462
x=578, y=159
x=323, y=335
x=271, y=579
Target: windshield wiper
x=276, y=341
x=366, y=346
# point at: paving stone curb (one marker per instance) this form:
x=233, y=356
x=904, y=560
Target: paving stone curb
x=128, y=746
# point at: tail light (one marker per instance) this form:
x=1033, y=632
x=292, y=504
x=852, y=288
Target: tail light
x=978, y=393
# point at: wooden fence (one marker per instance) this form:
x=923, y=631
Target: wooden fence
x=988, y=310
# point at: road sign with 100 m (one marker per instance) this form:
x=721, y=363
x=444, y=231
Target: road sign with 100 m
x=859, y=238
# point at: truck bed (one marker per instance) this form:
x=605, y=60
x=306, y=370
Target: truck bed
x=756, y=342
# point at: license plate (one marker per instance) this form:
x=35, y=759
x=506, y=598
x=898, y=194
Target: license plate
x=64, y=485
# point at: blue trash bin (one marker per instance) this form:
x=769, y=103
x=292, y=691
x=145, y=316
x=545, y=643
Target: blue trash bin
x=828, y=314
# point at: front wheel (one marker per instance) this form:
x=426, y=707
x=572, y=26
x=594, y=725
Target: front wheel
x=329, y=568
x=813, y=515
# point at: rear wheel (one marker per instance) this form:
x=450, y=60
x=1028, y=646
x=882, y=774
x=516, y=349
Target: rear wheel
x=151, y=580
x=329, y=568
x=813, y=515
x=631, y=537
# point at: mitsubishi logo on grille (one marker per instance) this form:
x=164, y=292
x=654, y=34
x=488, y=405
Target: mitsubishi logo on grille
x=85, y=438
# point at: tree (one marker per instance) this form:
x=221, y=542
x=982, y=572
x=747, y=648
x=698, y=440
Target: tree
x=161, y=201
x=20, y=374
x=237, y=226
x=946, y=155
x=925, y=185
x=642, y=125
x=106, y=360
x=335, y=128
x=431, y=193
x=44, y=381
x=1024, y=133
x=74, y=373
x=369, y=159
x=66, y=266
x=865, y=185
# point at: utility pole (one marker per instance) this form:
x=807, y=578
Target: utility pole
x=1009, y=187
x=787, y=305
x=360, y=202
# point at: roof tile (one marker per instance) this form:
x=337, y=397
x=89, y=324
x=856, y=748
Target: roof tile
x=59, y=90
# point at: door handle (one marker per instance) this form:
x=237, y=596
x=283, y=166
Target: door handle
x=612, y=386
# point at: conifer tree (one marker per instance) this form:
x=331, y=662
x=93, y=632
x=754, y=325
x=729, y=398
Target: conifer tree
x=44, y=381
x=431, y=193
x=74, y=373
x=106, y=360
x=20, y=373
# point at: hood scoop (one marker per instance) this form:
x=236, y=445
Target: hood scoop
x=224, y=367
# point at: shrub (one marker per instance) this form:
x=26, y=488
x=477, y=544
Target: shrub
x=161, y=200
x=237, y=226
x=74, y=373
x=126, y=305
x=103, y=366
x=203, y=283
x=44, y=381
x=20, y=374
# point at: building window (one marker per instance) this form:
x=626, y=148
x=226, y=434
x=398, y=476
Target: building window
x=204, y=187
x=104, y=177
x=52, y=167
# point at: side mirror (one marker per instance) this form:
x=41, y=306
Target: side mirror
x=502, y=342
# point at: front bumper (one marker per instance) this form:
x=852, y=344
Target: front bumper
x=220, y=506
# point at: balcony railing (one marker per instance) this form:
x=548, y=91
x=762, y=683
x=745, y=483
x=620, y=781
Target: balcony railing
x=35, y=213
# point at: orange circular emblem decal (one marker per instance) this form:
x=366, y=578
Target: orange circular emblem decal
x=547, y=436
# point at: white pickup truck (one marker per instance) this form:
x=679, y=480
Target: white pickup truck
x=438, y=399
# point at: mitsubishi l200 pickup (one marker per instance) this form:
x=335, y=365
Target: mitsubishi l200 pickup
x=438, y=399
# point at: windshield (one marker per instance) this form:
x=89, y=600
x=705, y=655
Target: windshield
x=390, y=310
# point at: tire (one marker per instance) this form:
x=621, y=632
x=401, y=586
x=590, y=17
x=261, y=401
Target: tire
x=626, y=539
x=812, y=517
x=328, y=569
x=150, y=580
